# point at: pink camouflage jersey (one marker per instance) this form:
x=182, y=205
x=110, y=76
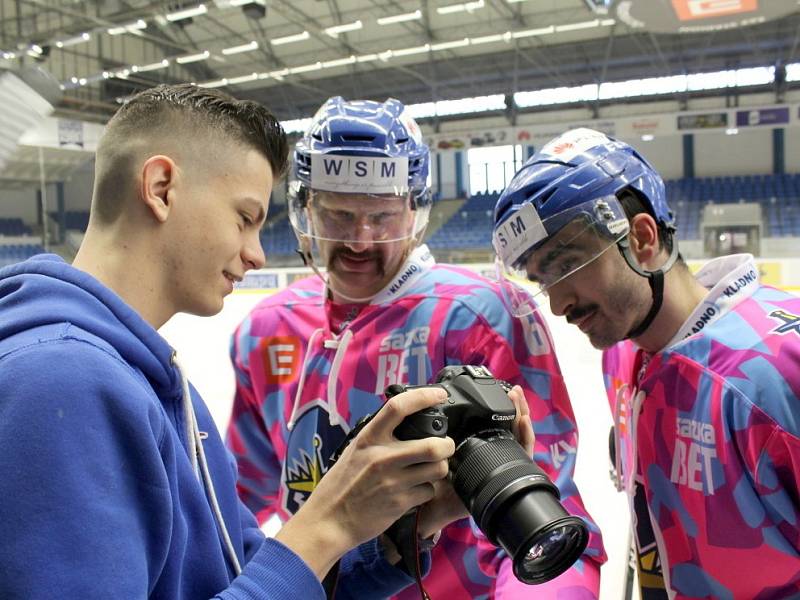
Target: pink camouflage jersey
x=707, y=440
x=307, y=370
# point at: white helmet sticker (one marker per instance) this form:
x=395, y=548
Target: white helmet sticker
x=359, y=174
x=518, y=234
x=572, y=143
x=411, y=126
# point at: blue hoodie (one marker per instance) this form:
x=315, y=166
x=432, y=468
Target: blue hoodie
x=98, y=495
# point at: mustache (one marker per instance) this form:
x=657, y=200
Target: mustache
x=345, y=253
x=576, y=314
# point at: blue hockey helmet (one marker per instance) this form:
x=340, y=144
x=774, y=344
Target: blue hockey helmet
x=571, y=185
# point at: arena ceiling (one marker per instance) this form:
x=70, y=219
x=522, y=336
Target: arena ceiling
x=293, y=54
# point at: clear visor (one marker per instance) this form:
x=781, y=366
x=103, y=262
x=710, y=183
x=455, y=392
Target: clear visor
x=554, y=248
x=355, y=218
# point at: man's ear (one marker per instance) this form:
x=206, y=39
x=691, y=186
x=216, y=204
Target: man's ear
x=644, y=239
x=158, y=178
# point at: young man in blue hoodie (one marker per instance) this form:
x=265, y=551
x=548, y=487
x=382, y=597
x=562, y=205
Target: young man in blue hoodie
x=114, y=482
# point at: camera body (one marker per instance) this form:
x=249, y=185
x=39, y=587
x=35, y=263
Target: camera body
x=511, y=499
x=476, y=403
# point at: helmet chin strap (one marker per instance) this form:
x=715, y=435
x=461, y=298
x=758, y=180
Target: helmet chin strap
x=654, y=278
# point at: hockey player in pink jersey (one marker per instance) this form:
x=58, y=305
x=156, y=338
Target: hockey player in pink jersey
x=313, y=359
x=701, y=371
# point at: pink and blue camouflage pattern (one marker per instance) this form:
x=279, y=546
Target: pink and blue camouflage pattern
x=712, y=430
x=431, y=316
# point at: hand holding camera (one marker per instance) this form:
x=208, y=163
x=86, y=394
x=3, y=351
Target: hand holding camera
x=374, y=481
x=509, y=496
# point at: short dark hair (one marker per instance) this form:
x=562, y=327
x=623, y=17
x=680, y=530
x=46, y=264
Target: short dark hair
x=242, y=120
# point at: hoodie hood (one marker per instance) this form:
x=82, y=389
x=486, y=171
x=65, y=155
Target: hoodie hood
x=45, y=290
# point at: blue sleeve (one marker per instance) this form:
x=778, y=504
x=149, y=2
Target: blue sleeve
x=366, y=575
x=85, y=499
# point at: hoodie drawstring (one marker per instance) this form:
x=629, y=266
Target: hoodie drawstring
x=341, y=344
x=333, y=411
x=200, y=465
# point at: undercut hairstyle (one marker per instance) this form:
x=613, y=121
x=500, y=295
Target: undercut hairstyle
x=633, y=205
x=169, y=111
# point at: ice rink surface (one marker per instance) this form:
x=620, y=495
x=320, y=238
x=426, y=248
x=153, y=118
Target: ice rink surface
x=202, y=343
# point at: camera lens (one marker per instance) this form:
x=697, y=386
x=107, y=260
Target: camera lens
x=517, y=506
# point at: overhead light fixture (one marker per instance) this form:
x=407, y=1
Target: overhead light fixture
x=78, y=39
x=187, y=13
x=162, y=64
x=337, y=29
x=450, y=45
x=297, y=37
x=412, y=16
x=130, y=28
x=182, y=60
x=490, y=39
x=279, y=75
x=305, y=68
x=410, y=51
x=515, y=1
x=239, y=49
x=464, y=7
x=577, y=26
x=8, y=55
x=339, y=62
x=254, y=9
x=532, y=32
x=213, y=84
x=366, y=58
x=648, y=137
x=243, y=78
x=731, y=131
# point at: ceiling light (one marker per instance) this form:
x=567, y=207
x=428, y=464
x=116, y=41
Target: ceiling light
x=489, y=39
x=239, y=49
x=305, y=68
x=182, y=60
x=188, y=13
x=366, y=58
x=648, y=137
x=731, y=131
x=576, y=26
x=213, y=84
x=152, y=66
x=297, y=37
x=532, y=32
x=450, y=45
x=412, y=16
x=130, y=28
x=337, y=29
x=243, y=79
x=339, y=62
x=410, y=51
x=466, y=6
x=79, y=39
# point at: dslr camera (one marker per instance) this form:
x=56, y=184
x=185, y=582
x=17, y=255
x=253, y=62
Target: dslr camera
x=511, y=499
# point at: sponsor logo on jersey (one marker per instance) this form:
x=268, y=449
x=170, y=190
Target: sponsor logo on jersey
x=310, y=445
x=403, y=358
x=791, y=323
x=281, y=357
x=694, y=455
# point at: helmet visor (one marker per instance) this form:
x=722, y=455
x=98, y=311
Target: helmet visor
x=544, y=252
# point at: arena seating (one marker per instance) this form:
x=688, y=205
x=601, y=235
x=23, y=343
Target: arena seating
x=13, y=227
x=13, y=253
